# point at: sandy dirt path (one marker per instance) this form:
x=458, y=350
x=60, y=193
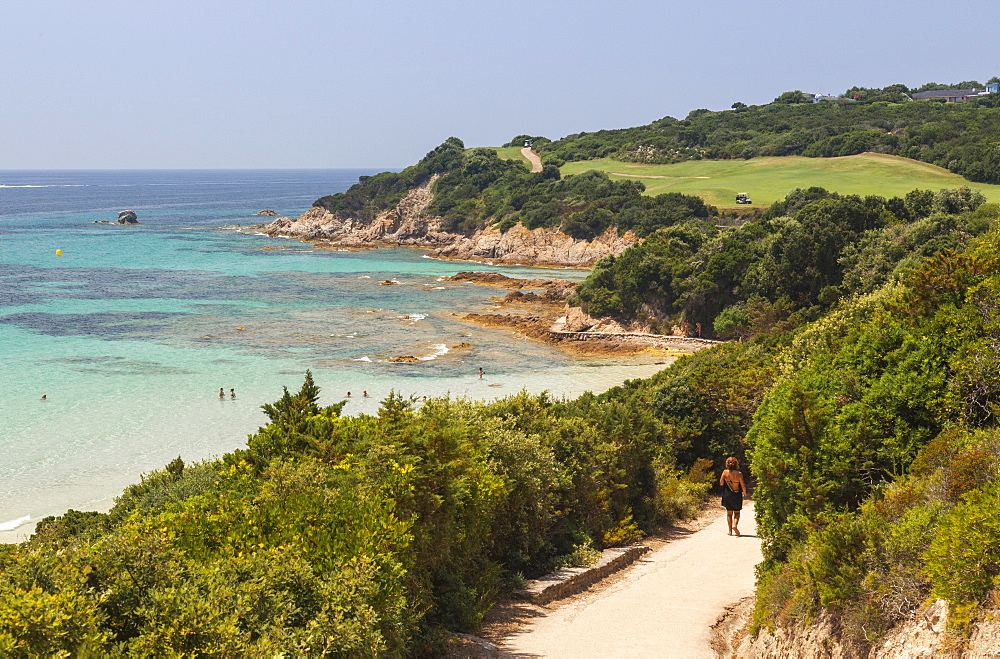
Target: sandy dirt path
x=663, y=606
x=533, y=158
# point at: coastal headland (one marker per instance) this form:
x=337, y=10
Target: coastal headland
x=546, y=316
x=407, y=224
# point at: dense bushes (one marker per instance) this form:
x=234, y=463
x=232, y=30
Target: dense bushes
x=795, y=262
x=476, y=188
x=875, y=453
x=961, y=137
x=914, y=540
x=364, y=536
x=375, y=193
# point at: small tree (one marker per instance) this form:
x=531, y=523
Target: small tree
x=791, y=97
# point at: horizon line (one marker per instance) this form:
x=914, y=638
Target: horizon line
x=192, y=169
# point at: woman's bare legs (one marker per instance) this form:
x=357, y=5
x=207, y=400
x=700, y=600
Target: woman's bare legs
x=736, y=521
x=729, y=520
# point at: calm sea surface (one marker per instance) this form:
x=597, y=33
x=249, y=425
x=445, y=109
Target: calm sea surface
x=132, y=330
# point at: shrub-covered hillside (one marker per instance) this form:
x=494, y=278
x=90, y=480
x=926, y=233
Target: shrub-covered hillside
x=476, y=188
x=875, y=455
x=796, y=261
x=961, y=137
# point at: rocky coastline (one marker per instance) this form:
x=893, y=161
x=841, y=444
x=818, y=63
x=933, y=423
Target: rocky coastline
x=544, y=314
x=407, y=224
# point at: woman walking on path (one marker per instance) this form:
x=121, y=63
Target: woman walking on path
x=734, y=488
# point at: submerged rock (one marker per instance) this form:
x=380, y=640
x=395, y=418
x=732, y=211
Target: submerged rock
x=268, y=212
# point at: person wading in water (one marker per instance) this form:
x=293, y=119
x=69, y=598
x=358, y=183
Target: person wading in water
x=733, y=490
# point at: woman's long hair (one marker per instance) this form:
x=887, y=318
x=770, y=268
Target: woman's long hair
x=732, y=464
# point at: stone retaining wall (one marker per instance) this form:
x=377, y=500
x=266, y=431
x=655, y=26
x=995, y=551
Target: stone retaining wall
x=571, y=580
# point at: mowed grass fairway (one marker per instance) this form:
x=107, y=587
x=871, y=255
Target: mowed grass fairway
x=512, y=153
x=770, y=179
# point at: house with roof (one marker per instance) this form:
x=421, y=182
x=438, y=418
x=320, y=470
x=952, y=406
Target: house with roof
x=817, y=98
x=957, y=95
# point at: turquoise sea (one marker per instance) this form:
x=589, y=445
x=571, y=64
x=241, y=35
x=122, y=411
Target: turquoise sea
x=131, y=331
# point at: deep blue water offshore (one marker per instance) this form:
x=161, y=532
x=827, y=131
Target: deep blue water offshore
x=132, y=330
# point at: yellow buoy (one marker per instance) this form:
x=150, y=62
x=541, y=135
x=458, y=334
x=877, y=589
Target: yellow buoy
x=58, y=252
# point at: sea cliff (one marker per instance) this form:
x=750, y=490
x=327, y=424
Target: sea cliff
x=408, y=223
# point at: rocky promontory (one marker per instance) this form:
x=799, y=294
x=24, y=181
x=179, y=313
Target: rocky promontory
x=407, y=224
x=545, y=314
x=522, y=246
x=128, y=217
x=560, y=288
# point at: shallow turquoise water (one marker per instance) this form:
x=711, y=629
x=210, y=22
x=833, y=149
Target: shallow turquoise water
x=131, y=332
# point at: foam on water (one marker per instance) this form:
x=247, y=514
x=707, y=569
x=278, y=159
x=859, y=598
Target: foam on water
x=14, y=523
x=40, y=186
x=439, y=350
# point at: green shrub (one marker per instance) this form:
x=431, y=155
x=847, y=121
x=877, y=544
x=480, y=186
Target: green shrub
x=583, y=555
x=625, y=532
x=680, y=496
x=46, y=609
x=962, y=562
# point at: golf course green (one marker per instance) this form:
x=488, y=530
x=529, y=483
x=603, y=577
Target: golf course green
x=769, y=179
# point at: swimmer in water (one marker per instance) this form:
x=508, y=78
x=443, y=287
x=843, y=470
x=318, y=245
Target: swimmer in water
x=232, y=394
x=348, y=395
x=222, y=393
x=44, y=397
x=481, y=372
x=365, y=394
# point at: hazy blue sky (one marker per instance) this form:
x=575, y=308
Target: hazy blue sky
x=309, y=83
